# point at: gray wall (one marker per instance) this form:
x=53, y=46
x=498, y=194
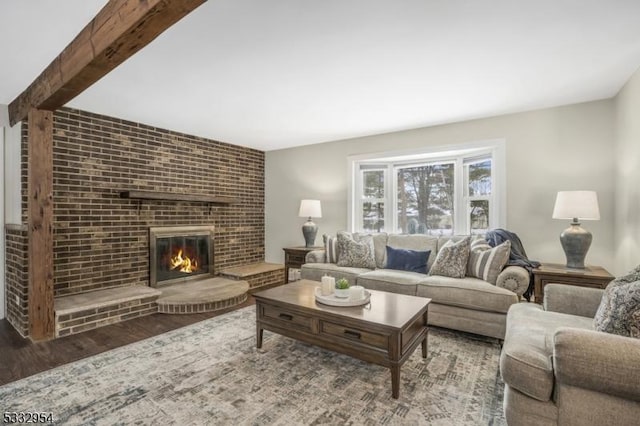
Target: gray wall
x=564, y=148
x=12, y=161
x=627, y=176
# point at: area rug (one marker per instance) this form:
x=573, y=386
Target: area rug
x=212, y=373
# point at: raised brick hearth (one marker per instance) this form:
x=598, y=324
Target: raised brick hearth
x=205, y=295
x=258, y=275
x=86, y=311
x=100, y=239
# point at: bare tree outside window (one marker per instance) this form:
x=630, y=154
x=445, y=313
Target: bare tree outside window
x=478, y=176
x=426, y=199
x=373, y=200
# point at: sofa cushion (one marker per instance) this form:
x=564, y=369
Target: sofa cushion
x=355, y=250
x=330, y=248
x=455, y=238
x=486, y=262
x=402, y=282
x=379, y=246
x=632, y=276
x=414, y=242
x=526, y=359
x=471, y=293
x=315, y=272
x=491, y=324
x=452, y=258
x=407, y=260
x=619, y=310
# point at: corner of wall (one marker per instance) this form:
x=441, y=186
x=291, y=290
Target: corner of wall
x=4, y=115
x=13, y=249
x=12, y=174
x=2, y=243
x=627, y=174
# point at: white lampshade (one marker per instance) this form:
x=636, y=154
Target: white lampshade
x=577, y=204
x=310, y=208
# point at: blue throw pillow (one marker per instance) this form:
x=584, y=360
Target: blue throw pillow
x=407, y=260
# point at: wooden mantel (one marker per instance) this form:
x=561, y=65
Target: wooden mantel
x=119, y=30
x=172, y=196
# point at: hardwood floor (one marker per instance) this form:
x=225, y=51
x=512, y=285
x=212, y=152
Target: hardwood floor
x=21, y=358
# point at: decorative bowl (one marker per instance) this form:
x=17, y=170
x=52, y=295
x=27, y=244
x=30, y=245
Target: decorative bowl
x=342, y=293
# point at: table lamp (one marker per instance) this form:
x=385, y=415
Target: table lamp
x=310, y=209
x=575, y=240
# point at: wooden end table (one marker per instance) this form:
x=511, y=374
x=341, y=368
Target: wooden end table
x=385, y=332
x=294, y=257
x=590, y=276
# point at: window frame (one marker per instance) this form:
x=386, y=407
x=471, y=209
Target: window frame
x=459, y=154
x=467, y=199
x=408, y=165
x=362, y=199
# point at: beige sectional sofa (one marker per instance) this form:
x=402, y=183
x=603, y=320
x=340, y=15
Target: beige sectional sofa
x=466, y=304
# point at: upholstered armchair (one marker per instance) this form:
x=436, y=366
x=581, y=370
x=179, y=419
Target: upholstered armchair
x=558, y=371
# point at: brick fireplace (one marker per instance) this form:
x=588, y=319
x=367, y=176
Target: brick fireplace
x=180, y=254
x=101, y=240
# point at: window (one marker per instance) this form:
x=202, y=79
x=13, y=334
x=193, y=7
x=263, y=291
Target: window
x=372, y=200
x=441, y=192
x=478, y=200
x=425, y=198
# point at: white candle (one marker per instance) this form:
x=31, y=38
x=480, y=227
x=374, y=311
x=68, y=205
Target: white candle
x=328, y=283
x=356, y=292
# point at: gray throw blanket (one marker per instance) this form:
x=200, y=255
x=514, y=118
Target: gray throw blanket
x=518, y=256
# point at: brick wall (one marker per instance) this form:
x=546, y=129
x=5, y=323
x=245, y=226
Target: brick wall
x=100, y=239
x=16, y=278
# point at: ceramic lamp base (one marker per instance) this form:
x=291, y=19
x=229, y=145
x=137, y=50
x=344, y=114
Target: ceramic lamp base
x=575, y=242
x=309, y=230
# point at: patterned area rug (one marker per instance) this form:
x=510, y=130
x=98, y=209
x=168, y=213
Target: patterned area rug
x=212, y=373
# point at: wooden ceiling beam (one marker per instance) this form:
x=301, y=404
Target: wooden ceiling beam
x=119, y=30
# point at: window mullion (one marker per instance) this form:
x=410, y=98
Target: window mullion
x=392, y=206
x=360, y=208
x=460, y=204
x=494, y=208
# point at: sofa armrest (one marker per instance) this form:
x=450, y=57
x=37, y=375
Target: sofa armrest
x=315, y=256
x=515, y=279
x=601, y=362
x=573, y=300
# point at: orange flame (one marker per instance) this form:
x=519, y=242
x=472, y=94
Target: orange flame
x=184, y=264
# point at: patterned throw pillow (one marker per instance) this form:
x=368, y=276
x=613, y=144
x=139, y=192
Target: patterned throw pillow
x=486, y=262
x=330, y=248
x=619, y=310
x=356, y=253
x=452, y=258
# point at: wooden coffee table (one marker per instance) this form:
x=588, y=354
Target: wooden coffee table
x=385, y=332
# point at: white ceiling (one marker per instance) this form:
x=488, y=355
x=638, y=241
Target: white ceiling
x=272, y=74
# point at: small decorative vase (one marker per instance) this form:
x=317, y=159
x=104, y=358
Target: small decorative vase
x=342, y=293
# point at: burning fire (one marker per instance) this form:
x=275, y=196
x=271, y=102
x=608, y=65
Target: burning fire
x=183, y=264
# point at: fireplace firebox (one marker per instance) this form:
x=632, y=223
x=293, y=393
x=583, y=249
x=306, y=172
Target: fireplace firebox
x=179, y=254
